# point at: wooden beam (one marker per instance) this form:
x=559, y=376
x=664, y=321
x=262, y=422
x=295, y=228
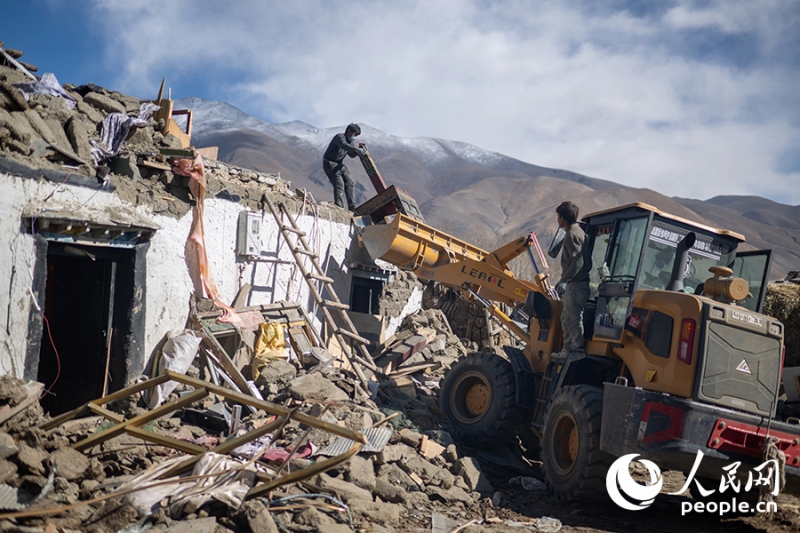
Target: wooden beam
x=225, y=447
x=33, y=389
x=105, y=413
x=127, y=391
x=223, y=357
x=163, y=440
x=317, y=468
x=143, y=418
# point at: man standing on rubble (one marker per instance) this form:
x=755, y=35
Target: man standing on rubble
x=334, y=167
x=573, y=286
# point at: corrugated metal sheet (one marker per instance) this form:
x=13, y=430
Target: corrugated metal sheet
x=377, y=437
x=12, y=499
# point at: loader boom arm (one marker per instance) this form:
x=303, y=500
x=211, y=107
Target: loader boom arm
x=437, y=256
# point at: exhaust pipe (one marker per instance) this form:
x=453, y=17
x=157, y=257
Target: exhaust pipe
x=681, y=260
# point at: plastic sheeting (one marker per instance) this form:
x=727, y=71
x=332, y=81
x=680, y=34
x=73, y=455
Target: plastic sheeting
x=177, y=355
x=228, y=483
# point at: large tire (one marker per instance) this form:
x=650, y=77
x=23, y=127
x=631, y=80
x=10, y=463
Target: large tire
x=574, y=467
x=479, y=396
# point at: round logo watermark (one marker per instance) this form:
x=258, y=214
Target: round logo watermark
x=626, y=492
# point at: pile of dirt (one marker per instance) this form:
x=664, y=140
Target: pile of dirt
x=783, y=302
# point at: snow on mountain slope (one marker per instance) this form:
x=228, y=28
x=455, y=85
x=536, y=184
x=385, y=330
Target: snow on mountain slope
x=214, y=117
x=473, y=193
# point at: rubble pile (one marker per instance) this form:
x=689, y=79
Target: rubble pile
x=57, y=131
x=396, y=295
x=99, y=468
x=783, y=302
x=470, y=321
x=413, y=475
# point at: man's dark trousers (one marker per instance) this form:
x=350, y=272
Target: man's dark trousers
x=339, y=176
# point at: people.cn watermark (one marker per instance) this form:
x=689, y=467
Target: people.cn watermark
x=633, y=496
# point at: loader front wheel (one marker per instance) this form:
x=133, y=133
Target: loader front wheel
x=479, y=396
x=574, y=466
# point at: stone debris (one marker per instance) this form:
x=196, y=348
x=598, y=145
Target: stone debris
x=783, y=302
x=418, y=475
x=43, y=133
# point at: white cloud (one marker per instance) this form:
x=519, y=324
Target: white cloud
x=607, y=94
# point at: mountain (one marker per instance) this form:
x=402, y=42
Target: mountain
x=424, y=167
x=484, y=197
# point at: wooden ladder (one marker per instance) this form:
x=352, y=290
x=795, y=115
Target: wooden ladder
x=295, y=238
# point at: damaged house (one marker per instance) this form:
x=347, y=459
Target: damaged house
x=98, y=232
x=214, y=323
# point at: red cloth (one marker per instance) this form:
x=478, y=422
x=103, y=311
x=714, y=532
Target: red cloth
x=196, y=243
x=280, y=454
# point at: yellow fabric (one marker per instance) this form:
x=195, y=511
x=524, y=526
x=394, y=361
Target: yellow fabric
x=270, y=346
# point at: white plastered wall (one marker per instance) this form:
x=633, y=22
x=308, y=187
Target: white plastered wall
x=271, y=282
x=168, y=283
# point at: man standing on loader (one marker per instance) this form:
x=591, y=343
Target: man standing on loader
x=574, y=282
x=334, y=167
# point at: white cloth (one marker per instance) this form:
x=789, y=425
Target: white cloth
x=47, y=85
x=115, y=130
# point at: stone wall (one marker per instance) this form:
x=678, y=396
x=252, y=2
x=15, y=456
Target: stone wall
x=469, y=320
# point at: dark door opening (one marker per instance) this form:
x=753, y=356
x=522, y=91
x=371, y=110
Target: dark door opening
x=364, y=294
x=87, y=306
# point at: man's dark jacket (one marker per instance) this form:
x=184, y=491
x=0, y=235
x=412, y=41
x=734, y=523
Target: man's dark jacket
x=338, y=148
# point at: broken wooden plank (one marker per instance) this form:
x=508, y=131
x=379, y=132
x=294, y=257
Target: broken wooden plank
x=430, y=448
x=404, y=371
x=17, y=64
x=33, y=390
x=392, y=341
x=403, y=384
x=242, y=296
x=177, y=152
x=154, y=164
x=224, y=359
x=401, y=353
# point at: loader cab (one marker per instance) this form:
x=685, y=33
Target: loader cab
x=637, y=243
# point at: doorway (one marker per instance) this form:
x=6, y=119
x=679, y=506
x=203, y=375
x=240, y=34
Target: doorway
x=87, y=304
x=364, y=294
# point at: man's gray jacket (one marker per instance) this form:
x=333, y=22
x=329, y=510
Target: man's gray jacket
x=338, y=148
x=572, y=257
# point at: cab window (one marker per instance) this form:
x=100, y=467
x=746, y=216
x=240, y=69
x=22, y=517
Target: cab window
x=627, y=249
x=659, y=256
x=598, y=256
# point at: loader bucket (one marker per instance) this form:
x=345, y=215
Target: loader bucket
x=410, y=244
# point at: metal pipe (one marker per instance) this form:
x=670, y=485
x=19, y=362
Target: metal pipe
x=681, y=262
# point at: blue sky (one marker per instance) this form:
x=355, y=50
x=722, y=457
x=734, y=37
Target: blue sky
x=689, y=98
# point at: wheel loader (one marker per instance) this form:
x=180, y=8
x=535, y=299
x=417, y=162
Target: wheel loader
x=678, y=357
